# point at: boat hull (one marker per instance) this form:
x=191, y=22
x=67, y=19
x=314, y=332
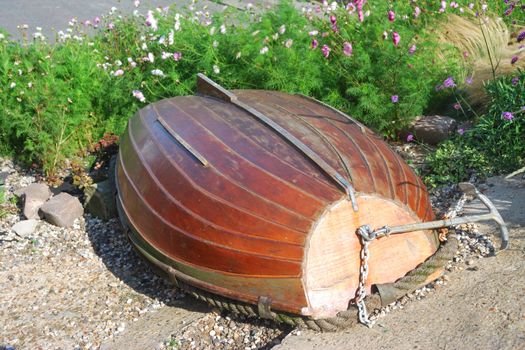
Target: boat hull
x=229, y=206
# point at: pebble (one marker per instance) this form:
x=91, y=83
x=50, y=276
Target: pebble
x=25, y=228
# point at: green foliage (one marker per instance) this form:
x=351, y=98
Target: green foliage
x=58, y=99
x=455, y=161
x=495, y=145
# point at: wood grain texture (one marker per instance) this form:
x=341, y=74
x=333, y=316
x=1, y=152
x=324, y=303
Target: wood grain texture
x=260, y=210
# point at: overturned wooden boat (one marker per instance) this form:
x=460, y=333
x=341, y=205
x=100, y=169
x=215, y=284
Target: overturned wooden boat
x=257, y=195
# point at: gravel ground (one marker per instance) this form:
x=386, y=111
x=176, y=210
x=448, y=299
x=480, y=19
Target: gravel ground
x=78, y=288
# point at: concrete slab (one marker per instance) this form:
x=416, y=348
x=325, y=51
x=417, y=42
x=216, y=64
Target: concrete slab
x=150, y=330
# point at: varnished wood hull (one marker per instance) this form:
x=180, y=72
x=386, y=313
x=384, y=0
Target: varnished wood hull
x=255, y=217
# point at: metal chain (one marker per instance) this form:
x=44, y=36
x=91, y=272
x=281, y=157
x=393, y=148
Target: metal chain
x=367, y=235
x=363, y=275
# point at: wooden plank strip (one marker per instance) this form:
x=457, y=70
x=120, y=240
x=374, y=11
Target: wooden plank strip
x=183, y=143
x=206, y=205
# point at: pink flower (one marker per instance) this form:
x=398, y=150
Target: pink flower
x=461, y=131
x=457, y=106
x=410, y=138
x=359, y=5
x=514, y=59
x=151, y=21
x=333, y=19
x=412, y=49
x=96, y=20
x=347, y=48
x=139, y=95
x=177, y=56
x=468, y=80
x=118, y=73
x=394, y=98
x=391, y=16
x=507, y=115
x=396, y=38
x=315, y=43
x=111, y=26
x=417, y=12
x=326, y=51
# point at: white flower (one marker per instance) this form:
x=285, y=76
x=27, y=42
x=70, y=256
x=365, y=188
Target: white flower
x=30, y=85
x=162, y=40
x=2, y=36
x=144, y=46
x=238, y=55
x=313, y=33
x=118, y=63
x=25, y=26
x=12, y=85
x=166, y=55
x=136, y=3
x=138, y=95
x=177, y=25
x=215, y=43
x=151, y=21
x=216, y=69
x=249, y=6
x=288, y=43
x=133, y=64
x=112, y=10
x=171, y=37
x=223, y=29
x=333, y=6
x=130, y=59
x=38, y=29
x=275, y=36
x=212, y=30
x=157, y=72
x=484, y=7
x=282, y=29
x=151, y=58
x=264, y=50
x=136, y=13
x=20, y=72
x=118, y=73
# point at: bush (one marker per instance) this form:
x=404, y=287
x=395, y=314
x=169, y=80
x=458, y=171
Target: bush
x=494, y=146
x=58, y=99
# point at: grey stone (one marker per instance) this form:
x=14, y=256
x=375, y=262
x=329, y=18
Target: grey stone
x=100, y=200
x=62, y=210
x=33, y=196
x=3, y=177
x=434, y=129
x=25, y=228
